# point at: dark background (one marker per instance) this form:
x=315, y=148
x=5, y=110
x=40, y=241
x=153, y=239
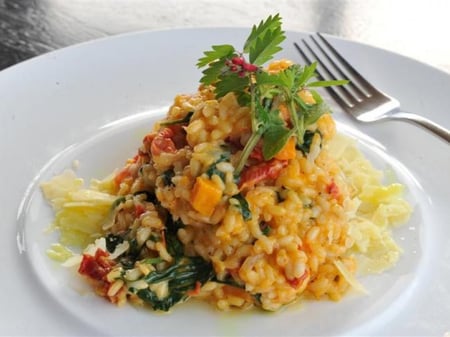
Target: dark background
x=418, y=29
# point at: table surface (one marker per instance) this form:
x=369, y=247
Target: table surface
x=416, y=29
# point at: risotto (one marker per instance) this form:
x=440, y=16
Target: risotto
x=213, y=208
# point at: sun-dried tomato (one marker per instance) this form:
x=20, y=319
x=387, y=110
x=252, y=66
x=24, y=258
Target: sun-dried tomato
x=163, y=143
x=260, y=172
x=97, y=266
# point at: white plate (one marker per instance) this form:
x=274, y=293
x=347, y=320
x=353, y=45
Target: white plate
x=94, y=102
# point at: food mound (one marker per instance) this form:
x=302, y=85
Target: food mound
x=243, y=195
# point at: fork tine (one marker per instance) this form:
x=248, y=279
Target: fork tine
x=352, y=71
x=341, y=94
x=336, y=66
x=332, y=90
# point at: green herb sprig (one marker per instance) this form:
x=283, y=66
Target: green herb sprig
x=229, y=71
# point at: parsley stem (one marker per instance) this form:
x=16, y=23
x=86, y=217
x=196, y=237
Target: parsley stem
x=257, y=130
x=301, y=129
x=251, y=143
x=253, y=106
x=298, y=125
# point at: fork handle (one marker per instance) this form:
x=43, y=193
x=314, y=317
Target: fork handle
x=438, y=130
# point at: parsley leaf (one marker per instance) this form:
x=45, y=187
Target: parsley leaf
x=327, y=83
x=212, y=73
x=264, y=39
x=217, y=52
x=275, y=138
x=306, y=73
x=314, y=113
x=263, y=78
x=231, y=83
x=215, y=60
x=266, y=46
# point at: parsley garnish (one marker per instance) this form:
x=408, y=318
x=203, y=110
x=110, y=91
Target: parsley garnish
x=264, y=40
x=229, y=71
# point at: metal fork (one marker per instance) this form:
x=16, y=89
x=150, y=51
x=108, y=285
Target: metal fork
x=358, y=98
